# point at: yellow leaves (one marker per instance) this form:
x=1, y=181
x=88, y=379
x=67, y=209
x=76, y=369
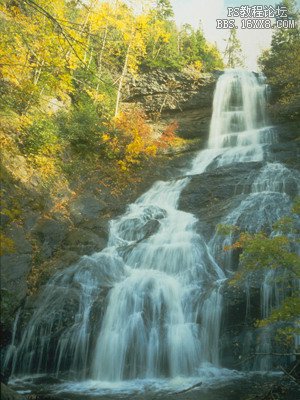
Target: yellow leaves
x=151, y=150
x=157, y=30
x=7, y=245
x=165, y=37
x=45, y=161
x=105, y=137
x=34, y=48
x=10, y=207
x=123, y=165
x=198, y=65
x=46, y=165
x=5, y=140
x=100, y=16
x=96, y=96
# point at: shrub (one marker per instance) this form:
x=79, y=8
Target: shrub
x=82, y=127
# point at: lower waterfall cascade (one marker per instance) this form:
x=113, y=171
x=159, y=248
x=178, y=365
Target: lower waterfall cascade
x=161, y=279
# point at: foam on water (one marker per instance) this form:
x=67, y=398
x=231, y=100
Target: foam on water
x=238, y=130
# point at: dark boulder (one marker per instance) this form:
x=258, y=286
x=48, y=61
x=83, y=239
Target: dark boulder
x=86, y=207
x=50, y=233
x=213, y=194
x=84, y=241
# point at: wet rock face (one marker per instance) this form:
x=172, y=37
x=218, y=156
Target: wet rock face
x=9, y=394
x=175, y=96
x=15, y=266
x=51, y=233
x=213, y=194
x=241, y=311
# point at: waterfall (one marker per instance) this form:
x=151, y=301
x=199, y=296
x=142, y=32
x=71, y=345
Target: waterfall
x=162, y=315
x=270, y=199
x=238, y=110
x=238, y=130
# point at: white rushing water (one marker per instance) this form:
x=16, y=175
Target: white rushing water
x=163, y=312
x=238, y=130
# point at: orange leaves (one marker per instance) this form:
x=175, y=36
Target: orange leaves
x=133, y=138
x=243, y=240
x=168, y=136
x=132, y=122
x=236, y=245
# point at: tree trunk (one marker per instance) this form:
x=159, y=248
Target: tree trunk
x=122, y=78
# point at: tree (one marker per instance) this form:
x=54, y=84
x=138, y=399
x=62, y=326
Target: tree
x=281, y=63
x=164, y=9
x=233, y=51
x=64, y=64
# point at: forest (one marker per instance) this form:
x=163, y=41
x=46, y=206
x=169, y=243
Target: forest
x=64, y=66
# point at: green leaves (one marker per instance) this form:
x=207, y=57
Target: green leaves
x=227, y=229
x=261, y=252
x=281, y=64
x=288, y=311
x=233, y=51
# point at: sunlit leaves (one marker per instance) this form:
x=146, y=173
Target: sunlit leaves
x=78, y=56
x=135, y=137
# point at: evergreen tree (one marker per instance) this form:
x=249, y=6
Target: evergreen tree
x=281, y=63
x=164, y=9
x=233, y=52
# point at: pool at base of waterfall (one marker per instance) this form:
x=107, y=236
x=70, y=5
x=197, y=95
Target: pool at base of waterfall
x=211, y=384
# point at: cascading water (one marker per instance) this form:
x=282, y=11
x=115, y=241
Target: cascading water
x=268, y=201
x=149, y=329
x=238, y=131
x=164, y=307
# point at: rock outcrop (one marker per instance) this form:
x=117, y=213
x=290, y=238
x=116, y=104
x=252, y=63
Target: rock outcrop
x=175, y=96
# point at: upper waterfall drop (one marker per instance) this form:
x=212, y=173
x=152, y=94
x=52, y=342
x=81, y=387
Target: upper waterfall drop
x=238, y=107
x=238, y=130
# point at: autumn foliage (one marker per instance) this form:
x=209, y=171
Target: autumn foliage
x=168, y=136
x=131, y=138
x=62, y=74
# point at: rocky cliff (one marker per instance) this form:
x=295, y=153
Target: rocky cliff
x=185, y=97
